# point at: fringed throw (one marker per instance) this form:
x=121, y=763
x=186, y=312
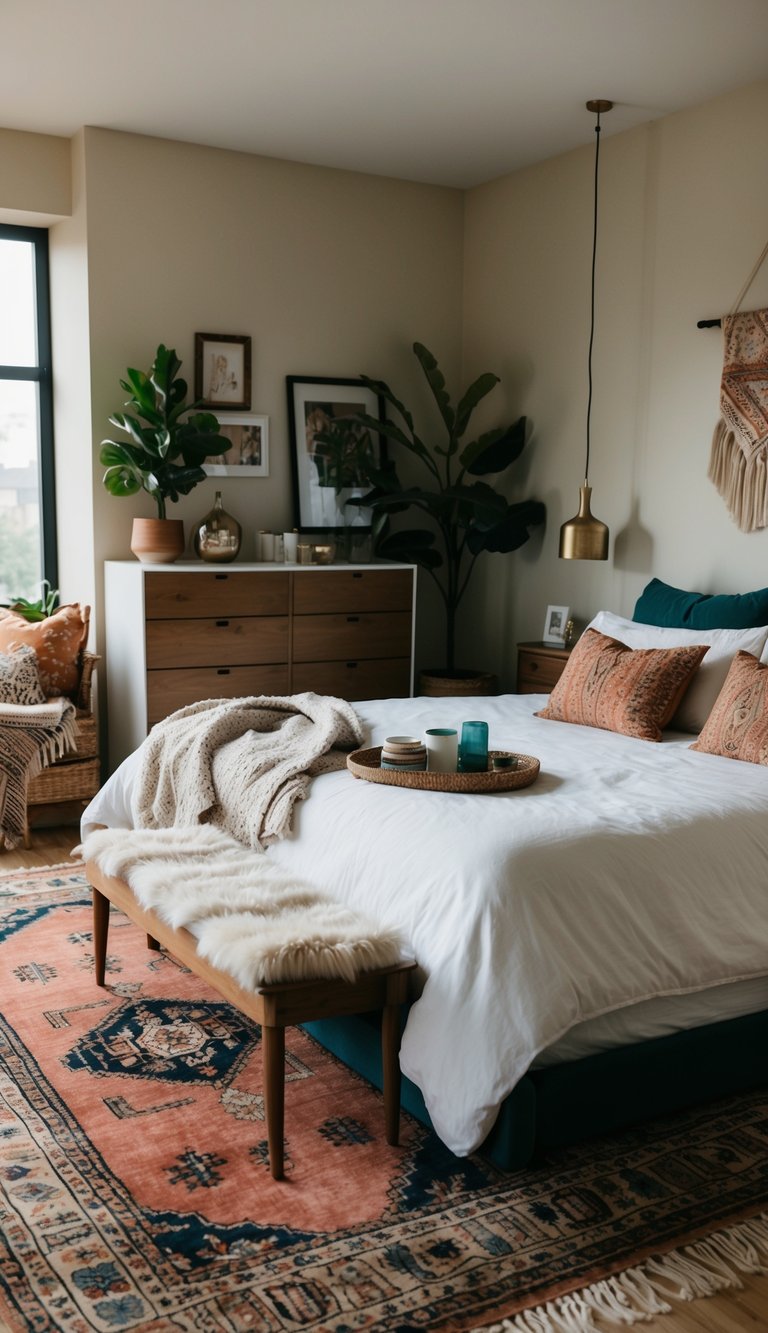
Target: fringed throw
x=250, y=918
x=635, y=1296
x=31, y=737
x=738, y=464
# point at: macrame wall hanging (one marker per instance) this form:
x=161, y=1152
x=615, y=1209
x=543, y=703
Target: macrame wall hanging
x=738, y=463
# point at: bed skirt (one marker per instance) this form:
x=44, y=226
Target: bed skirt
x=601, y=1093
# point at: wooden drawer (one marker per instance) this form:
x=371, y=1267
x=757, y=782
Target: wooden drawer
x=353, y=590
x=538, y=672
x=169, y=690
x=236, y=641
x=355, y=680
x=333, y=638
x=214, y=593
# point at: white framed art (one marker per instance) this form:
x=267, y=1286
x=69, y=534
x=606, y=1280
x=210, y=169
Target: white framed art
x=554, y=625
x=249, y=454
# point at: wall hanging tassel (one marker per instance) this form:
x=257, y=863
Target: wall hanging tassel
x=737, y=464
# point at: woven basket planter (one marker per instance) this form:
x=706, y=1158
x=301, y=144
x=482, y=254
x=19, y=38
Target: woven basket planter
x=436, y=684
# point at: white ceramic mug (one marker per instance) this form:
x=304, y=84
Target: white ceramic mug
x=442, y=749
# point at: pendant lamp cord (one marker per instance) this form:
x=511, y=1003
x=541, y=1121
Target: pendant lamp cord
x=592, y=316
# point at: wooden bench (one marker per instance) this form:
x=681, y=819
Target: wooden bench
x=274, y=1007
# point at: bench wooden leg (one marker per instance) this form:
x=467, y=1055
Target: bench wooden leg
x=390, y=1051
x=152, y=942
x=27, y=836
x=273, y=1048
x=100, y=933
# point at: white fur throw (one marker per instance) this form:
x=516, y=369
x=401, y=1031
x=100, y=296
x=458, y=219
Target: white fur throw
x=250, y=918
x=241, y=763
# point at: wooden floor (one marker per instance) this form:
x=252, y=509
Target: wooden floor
x=739, y=1312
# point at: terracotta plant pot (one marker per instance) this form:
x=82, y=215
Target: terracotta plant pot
x=440, y=684
x=157, y=541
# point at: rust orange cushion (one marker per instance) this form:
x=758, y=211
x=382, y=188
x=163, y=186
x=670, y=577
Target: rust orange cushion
x=632, y=691
x=58, y=642
x=737, y=727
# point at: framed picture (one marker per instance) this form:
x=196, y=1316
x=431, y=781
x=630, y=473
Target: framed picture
x=330, y=470
x=249, y=454
x=554, y=625
x=223, y=371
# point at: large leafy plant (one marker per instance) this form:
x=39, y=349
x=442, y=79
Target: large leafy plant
x=166, y=449
x=467, y=516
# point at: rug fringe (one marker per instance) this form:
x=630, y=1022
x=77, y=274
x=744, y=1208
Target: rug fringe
x=639, y=1293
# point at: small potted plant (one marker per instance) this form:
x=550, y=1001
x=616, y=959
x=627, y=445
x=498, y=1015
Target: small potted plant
x=163, y=455
x=467, y=516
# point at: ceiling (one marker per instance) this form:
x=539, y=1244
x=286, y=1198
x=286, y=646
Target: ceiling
x=454, y=92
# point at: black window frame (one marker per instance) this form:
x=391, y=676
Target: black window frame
x=42, y=374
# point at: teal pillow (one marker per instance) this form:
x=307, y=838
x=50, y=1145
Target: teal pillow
x=659, y=604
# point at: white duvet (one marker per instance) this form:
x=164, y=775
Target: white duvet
x=627, y=870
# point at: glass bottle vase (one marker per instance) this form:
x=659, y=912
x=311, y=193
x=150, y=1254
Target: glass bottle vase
x=217, y=535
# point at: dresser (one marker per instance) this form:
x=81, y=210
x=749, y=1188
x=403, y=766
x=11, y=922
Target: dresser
x=539, y=667
x=179, y=633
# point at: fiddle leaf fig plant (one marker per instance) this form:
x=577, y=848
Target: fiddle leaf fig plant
x=467, y=516
x=166, y=448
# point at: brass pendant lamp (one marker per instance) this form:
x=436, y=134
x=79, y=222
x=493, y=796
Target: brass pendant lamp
x=584, y=537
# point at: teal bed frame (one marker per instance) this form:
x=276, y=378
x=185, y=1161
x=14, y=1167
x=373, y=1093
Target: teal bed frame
x=599, y=1094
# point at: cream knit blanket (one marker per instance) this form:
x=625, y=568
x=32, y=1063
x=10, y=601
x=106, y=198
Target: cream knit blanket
x=31, y=736
x=251, y=919
x=241, y=764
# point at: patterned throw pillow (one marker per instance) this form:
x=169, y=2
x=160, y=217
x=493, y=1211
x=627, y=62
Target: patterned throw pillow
x=58, y=642
x=632, y=691
x=737, y=727
x=19, y=677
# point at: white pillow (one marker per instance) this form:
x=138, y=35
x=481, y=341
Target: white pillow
x=724, y=644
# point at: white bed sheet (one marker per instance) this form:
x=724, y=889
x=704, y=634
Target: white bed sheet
x=627, y=871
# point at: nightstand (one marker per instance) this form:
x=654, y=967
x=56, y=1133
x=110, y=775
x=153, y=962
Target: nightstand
x=539, y=667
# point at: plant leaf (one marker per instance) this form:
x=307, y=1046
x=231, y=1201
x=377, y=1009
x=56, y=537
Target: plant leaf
x=495, y=450
x=512, y=532
x=414, y=546
x=436, y=382
x=474, y=395
x=382, y=390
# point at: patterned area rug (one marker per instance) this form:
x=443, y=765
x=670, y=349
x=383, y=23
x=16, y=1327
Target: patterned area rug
x=136, y=1195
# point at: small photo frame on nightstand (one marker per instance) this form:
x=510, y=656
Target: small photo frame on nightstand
x=554, y=625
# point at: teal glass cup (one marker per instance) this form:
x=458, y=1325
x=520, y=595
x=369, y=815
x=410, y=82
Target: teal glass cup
x=473, y=749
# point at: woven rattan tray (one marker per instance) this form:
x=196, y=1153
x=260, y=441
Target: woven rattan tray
x=366, y=764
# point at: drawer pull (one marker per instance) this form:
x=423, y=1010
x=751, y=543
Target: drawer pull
x=353, y=620
x=222, y=624
x=351, y=666
x=534, y=666
x=221, y=576
x=357, y=574
x=222, y=671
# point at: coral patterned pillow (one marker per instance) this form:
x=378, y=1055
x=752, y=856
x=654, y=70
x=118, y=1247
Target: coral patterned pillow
x=737, y=727
x=632, y=691
x=19, y=678
x=58, y=642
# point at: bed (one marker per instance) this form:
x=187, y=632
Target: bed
x=592, y=949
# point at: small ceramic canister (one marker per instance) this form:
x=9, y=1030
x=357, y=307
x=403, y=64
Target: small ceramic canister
x=442, y=749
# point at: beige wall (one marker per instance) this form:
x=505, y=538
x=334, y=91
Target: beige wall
x=35, y=177
x=683, y=208
x=331, y=273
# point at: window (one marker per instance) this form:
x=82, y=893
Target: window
x=27, y=501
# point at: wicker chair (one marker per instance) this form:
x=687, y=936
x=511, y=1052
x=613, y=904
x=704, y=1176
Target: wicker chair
x=75, y=777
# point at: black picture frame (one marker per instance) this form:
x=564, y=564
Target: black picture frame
x=223, y=371
x=314, y=403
